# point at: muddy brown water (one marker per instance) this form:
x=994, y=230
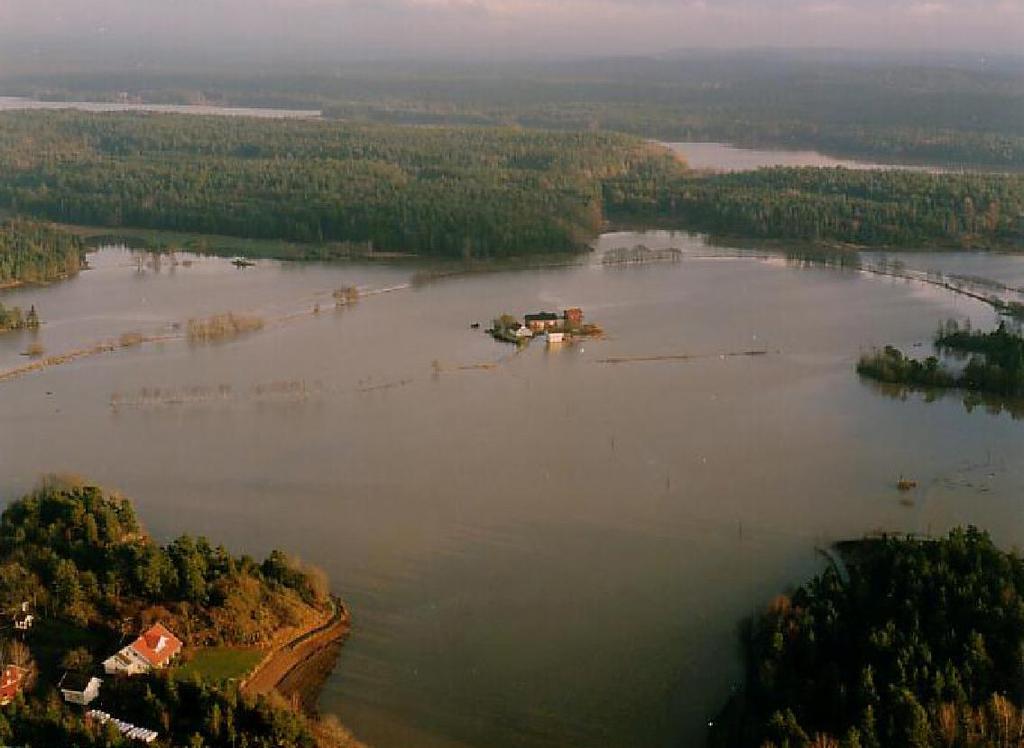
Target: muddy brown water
x=551, y=551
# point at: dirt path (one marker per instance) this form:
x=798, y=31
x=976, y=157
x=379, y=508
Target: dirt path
x=298, y=667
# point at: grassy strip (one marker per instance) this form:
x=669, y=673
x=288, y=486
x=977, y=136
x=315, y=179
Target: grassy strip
x=217, y=664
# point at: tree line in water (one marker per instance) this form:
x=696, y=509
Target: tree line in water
x=909, y=642
x=872, y=208
x=32, y=252
x=994, y=362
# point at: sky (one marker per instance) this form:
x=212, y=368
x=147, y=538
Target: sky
x=522, y=28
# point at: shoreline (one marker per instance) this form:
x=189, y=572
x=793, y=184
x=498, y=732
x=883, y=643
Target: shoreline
x=296, y=669
x=286, y=667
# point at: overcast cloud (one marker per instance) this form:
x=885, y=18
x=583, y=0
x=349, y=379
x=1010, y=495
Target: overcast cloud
x=528, y=27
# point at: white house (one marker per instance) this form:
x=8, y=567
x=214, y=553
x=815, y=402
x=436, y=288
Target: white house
x=79, y=688
x=24, y=619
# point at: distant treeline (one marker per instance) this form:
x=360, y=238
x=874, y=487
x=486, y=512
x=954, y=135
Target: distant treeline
x=871, y=208
x=995, y=362
x=36, y=253
x=914, y=643
x=473, y=192
x=880, y=109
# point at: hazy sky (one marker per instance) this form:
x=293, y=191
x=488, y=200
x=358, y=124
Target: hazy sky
x=551, y=28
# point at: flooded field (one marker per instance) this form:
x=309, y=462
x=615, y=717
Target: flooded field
x=542, y=548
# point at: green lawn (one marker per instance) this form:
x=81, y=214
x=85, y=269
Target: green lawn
x=222, y=663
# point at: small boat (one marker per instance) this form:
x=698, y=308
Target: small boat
x=242, y=262
x=905, y=484
x=475, y=325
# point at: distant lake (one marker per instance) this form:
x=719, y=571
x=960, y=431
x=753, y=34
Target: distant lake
x=722, y=157
x=544, y=548
x=10, y=103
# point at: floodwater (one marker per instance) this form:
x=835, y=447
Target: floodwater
x=10, y=103
x=554, y=550
x=722, y=157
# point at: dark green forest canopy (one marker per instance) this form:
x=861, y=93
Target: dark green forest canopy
x=916, y=643
x=874, y=208
x=32, y=252
x=479, y=192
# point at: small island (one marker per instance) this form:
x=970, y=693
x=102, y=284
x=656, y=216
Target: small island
x=116, y=640
x=36, y=252
x=554, y=328
x=14, y=318
x=640, y=254
x=994, y=362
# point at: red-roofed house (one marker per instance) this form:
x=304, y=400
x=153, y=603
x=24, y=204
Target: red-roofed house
x=11, y=682
x=156, y=647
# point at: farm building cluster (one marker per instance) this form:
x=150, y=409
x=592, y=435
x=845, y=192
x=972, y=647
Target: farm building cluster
x=554, y=328
x=155, y=648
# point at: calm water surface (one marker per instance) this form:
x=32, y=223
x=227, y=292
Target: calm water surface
x=722, y=157
x=553, y=551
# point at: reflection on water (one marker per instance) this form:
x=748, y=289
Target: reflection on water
x=991, y=403
x=548, y=551
x=722, y=157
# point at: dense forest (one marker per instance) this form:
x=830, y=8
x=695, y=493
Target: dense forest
x=946, y=111
x=36, y=253
x=469, y=192
x=994, y=362
x=908, y=642
x=81, y=556
x=436, y=191
x=886, y=208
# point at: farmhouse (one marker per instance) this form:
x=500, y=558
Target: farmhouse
x=156, y=647
x=542, y=321
x=79, y=688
